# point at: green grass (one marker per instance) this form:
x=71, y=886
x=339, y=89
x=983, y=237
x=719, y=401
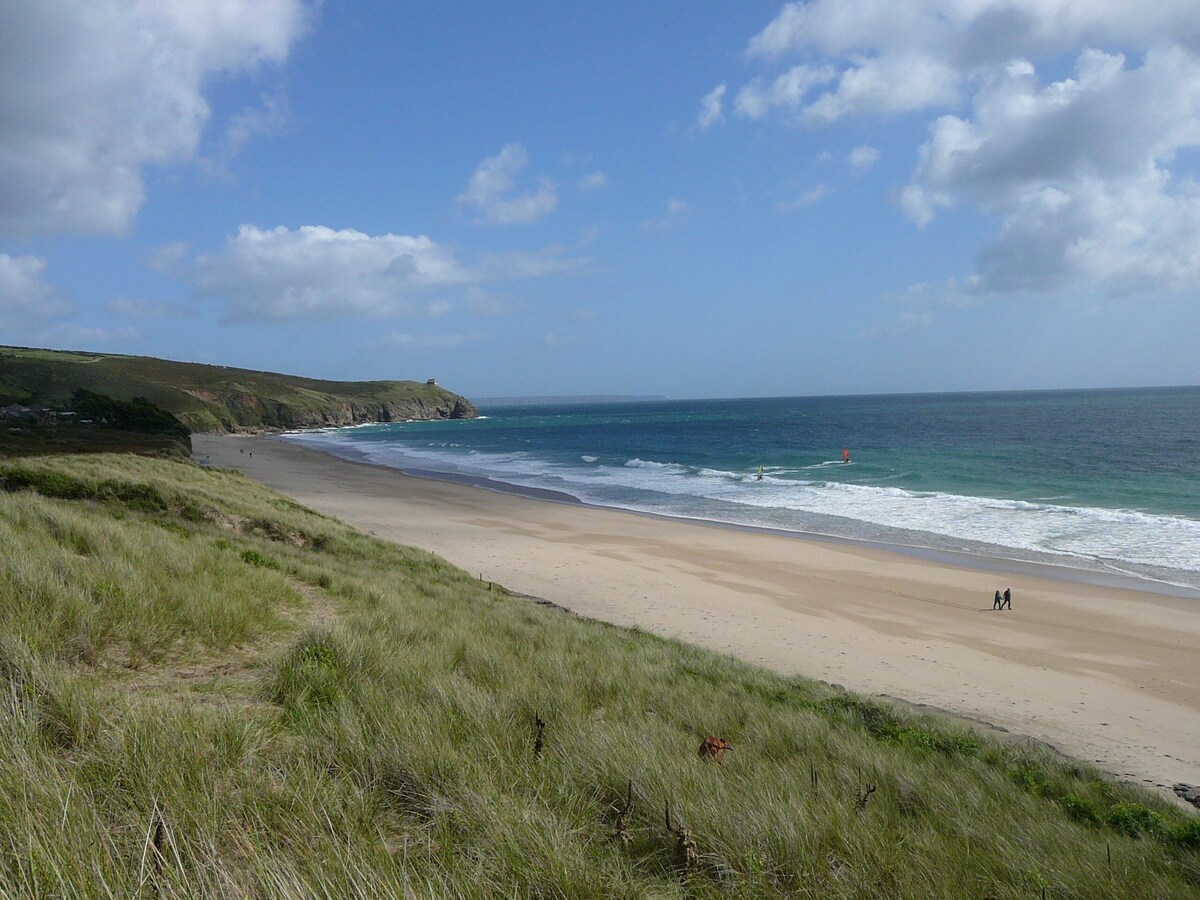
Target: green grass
x=208, y=690
x=217, y=398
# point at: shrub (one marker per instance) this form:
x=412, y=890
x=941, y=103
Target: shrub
x=1031, y=778
x=1186, y=834
x=254, y=558
x=1134, y=819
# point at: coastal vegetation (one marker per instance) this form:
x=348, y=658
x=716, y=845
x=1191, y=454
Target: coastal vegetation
x=219, y=398
x=209, y=690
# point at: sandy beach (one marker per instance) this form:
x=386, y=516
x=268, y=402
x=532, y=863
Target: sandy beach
x=1105, y=674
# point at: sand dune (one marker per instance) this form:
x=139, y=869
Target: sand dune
x=1105, y=674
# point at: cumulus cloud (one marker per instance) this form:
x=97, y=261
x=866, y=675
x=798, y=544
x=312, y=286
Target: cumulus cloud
x=24, y=296
x=492, y=190
x=1087, y=174
x=863, y=158
x=319, y=272
x=969, y=35
x=710, y=108
x=96, y=90
x=1080, y=170
x=314, y=271
x=788, y=91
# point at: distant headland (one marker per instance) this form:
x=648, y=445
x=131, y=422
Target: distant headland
x=220, y=398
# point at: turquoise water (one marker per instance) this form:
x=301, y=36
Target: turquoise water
x=1100, y=480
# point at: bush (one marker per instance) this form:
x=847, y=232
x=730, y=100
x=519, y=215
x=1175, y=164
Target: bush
x=254, y=558
x=1031, y=778
x=1186, y=834
x=1134, y=819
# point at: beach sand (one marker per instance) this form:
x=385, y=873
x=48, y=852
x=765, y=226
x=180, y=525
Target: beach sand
x=1109, y=675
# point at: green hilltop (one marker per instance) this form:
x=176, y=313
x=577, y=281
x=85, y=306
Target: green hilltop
x=220, y=398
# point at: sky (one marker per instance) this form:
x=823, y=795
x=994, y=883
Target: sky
x=682, y=199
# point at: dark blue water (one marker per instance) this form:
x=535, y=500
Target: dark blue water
x=1106, y=480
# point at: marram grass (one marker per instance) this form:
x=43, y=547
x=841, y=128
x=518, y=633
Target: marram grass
x=207, y=691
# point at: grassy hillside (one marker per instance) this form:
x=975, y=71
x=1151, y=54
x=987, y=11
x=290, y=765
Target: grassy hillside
x=209, y=691
x=211, y=398
x=37, y=441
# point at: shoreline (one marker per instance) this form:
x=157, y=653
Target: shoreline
x=968, y=559
x=1103, y=673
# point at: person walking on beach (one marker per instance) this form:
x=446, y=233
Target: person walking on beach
x=1007, y=599
x=998, y=603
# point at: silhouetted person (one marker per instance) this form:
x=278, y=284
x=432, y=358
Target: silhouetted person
x=1007, y=599
x=998, y=603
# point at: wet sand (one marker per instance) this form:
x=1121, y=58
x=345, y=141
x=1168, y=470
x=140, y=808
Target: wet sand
x=1105, y=673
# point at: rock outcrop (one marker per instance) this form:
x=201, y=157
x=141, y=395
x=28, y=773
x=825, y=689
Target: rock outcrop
x=254, y=415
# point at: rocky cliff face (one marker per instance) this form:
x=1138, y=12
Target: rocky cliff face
x=253, y=414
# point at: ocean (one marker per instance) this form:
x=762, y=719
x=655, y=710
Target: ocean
x=1103, y=481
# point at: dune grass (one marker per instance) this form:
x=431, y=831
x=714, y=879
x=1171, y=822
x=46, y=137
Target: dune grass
x=208, y=690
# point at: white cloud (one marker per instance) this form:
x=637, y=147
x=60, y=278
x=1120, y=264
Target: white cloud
x=710, y=108
x=24, y=296
x=806, y=199
x=269, y=117
x=971, y=33
x=788, y=91
x=316, y=271
x=593, y=181
x=920, y=204
x=95, y=90
x=863, y=158
x=1107, y=121
x=1080, y=171
x=1123, y=236
x=319, y=272
x=1089, y=175
x=897, y=83
x=491, y=190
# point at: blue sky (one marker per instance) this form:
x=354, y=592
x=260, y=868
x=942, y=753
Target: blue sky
x=838, y=196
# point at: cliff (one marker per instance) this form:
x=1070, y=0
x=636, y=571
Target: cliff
x=220, y=398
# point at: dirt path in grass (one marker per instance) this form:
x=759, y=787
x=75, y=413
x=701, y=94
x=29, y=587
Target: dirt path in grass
x=227, y=677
